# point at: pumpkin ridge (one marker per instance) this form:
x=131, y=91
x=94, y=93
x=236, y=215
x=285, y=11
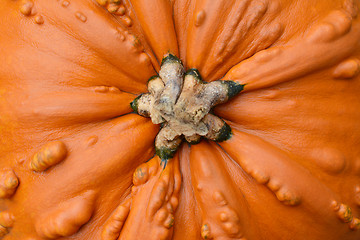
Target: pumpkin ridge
x=316, y=40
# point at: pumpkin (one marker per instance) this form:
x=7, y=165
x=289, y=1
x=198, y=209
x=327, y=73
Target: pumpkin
x=77, y=162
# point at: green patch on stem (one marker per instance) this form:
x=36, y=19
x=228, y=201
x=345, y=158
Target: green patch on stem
x=225, y=133
x=233, y=87
x=170, y=58
x=194, y=72
x=135, y=103
x=165, y=153
x=152, y=78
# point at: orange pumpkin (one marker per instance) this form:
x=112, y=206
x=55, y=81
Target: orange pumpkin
x=78, y=163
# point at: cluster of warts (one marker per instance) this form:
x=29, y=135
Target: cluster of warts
x=117, y=7
x=113, y=6
x=181, y=101
x=27, y=8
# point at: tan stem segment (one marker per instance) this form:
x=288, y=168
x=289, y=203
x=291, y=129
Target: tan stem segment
x=198, y=97
x=166, y=143
x=156, y=87
x=219, y=130
x=172, y=74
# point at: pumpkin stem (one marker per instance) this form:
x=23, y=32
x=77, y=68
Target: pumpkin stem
x=181, y=103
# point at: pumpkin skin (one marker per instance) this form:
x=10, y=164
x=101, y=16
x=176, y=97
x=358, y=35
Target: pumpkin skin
x=70, y=69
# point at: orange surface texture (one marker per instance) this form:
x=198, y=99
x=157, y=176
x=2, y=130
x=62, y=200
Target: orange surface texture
x=77, y=164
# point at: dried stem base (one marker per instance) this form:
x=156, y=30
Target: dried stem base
x=181, y=101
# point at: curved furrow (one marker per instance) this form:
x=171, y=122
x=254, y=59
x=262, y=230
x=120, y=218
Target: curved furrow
x=66, y=169
x=188, y=224
x=158, y=28
x=75, y=106
x=292, y=184
x=91, y=48
x=222, y=207
x=215, y=36
x=330, y=40
x=124, y=13
x=311, y=118
x=153, y=202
